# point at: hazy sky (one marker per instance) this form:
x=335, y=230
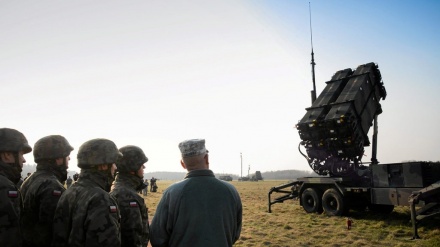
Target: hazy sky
x=236, y=73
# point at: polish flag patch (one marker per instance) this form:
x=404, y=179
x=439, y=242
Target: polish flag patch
x=56, y=193
x=113, y=209
x=13, y=193
x=133, y=204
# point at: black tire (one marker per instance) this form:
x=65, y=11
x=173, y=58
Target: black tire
x=380, y=208
x=333, y=203
x=311, y=201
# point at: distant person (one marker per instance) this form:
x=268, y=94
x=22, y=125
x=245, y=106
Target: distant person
x=13, y=145
x=28, y=175
x=69, y=182
x=153, y=185
x=201, y=210
x=43, y=189
x=86, y=215
x=75, y=177
x=145, y=189
x=129, y=180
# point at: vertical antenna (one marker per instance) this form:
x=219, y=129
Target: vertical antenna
x=313, y=92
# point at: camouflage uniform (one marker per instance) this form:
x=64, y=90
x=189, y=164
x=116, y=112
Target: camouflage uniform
x=134, y=213
x=41, y=193
x=10, y=203
x=42, y=190
x=86, y=215
x=10, y=197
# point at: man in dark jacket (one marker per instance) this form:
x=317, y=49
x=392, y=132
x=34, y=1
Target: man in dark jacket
x=134, y=215
x=201, y=210
x=13, y=145
x=43, y=189
x=86, y=215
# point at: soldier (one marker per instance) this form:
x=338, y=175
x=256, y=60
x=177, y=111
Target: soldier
x=86, y=215
x=153, y=185
x=43, y=189
x=129, y=180
x=13, y=145
x=201, y=210
x=69, y=182
x=75, y=177
x=145, y=189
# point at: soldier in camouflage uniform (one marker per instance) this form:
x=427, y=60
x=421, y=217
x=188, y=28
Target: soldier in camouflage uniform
x=43, y=189
x=13, y=145
x=86, y=215
x=134, y=213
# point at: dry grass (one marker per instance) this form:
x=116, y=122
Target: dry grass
x=290, y=225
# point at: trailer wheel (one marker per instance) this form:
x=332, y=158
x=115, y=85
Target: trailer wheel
x=333, y=203
x=381, y=209
x=311, y=201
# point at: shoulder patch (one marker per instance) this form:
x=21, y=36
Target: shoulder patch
x=13, y=193
x=113, y=209
x=56, y=193
x=133, y=204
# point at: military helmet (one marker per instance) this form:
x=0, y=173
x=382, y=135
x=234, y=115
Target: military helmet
x=51, y=147
x=97, y=152
x=12, y=140
x=133, y=158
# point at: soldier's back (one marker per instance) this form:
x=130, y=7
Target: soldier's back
x=41, y=193
x=86, y=215
x=134, y=213
x=9, y=213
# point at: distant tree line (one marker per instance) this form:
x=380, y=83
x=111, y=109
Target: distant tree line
x=277, y=175
x=165, y=175
x=287, y=174
x=270, y=175
x=31, y=168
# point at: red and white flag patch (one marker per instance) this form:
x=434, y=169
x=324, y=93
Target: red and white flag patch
x=133, y=204
x=13, y=193
x=113, y=209
x=56, y=193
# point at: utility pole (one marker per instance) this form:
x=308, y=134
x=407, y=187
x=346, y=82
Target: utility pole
x=241, y=170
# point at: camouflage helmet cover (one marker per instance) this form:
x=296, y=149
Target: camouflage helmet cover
x=12, y=140
x=51, y=147
x=133, y=158
x=97, y=152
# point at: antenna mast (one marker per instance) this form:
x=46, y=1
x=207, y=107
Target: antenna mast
x=313, y=92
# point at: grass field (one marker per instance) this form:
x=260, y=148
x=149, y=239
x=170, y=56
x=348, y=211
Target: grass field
x=290, y=225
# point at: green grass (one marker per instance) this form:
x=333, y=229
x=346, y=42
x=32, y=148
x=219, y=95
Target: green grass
x=290, y=225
